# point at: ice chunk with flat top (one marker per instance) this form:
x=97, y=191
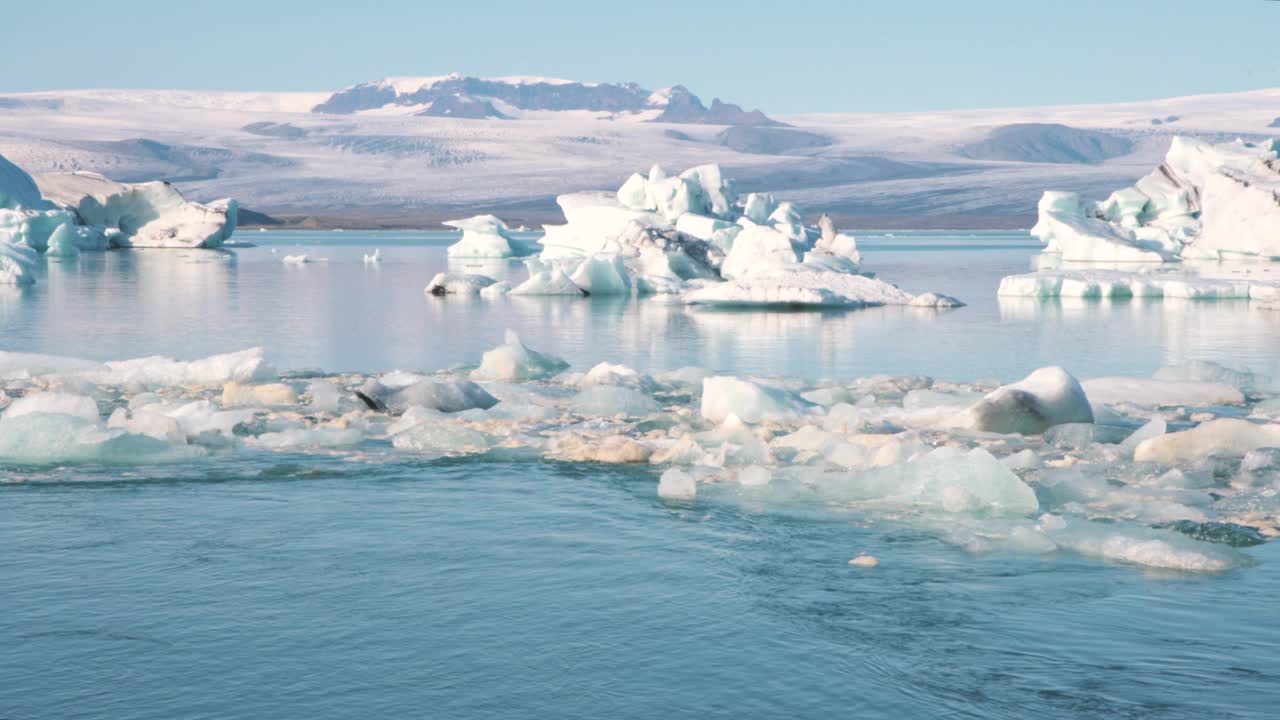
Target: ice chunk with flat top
x=1047, y=397
x=946, y=479
x=1163, y=549
x=611, y=400
x=54, y=402
x=245, y=366
x=1224, y=435
x=1159, y=393
x=726, y=395
x=513, y=362
x=44, y=438
x=798, y=286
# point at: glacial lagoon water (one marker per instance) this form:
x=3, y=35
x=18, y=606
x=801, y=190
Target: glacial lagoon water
x=318, y=585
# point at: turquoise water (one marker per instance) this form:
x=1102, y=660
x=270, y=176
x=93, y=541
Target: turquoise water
x=331, y=586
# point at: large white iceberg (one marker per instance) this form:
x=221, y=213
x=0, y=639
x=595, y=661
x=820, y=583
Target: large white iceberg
x=150, y=214
x=673, y=234
x=1206, y=200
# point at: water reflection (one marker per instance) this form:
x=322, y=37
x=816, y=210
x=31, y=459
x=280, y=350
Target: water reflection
x=344, y=314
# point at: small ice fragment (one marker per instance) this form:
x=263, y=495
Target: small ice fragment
x=865, y=561
x=676, y=484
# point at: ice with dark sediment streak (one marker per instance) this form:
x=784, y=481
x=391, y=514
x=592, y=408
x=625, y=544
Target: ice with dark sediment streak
x=1039, y=466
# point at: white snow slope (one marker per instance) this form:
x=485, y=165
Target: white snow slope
x=875, y=165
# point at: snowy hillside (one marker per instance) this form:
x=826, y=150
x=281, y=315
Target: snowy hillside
x=415, y=150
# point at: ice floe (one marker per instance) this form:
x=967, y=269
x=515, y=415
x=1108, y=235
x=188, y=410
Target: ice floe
x=1180, y=471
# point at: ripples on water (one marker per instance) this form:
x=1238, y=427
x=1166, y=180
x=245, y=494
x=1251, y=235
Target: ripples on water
x=326, y=586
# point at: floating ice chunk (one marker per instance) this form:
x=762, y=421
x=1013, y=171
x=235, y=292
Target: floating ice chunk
x=610, y=400
x=1047, y=397
x=446, y=437
x=935, y=300
x=457, y=284
x=54, y=402
x=864, y=561
x=1154, y=428
x=42, y=438
x=236, y=394
x=751, y=402
x=945, y=479
x=799, y=286
x=602, y=275
x=373, y=258
x=150, y=422
x=301, y=259
x=201, y=418
x=151, y=214
x=1146, y=392
x=485, y=236
x=245, y=366
x=809, y=438
x=676, y=484
x=513, y=362
x=1224, y=435
x=610, y=374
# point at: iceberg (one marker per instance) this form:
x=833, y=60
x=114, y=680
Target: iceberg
x=1205, y=200
x=150, y=214
x=485, y=236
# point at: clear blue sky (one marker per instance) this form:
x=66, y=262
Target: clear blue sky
x=781, y=56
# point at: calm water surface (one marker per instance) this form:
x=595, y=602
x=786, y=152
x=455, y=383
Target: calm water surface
x=316, y=586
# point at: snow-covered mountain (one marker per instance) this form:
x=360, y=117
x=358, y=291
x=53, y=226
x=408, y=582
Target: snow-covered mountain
x=413, y=151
